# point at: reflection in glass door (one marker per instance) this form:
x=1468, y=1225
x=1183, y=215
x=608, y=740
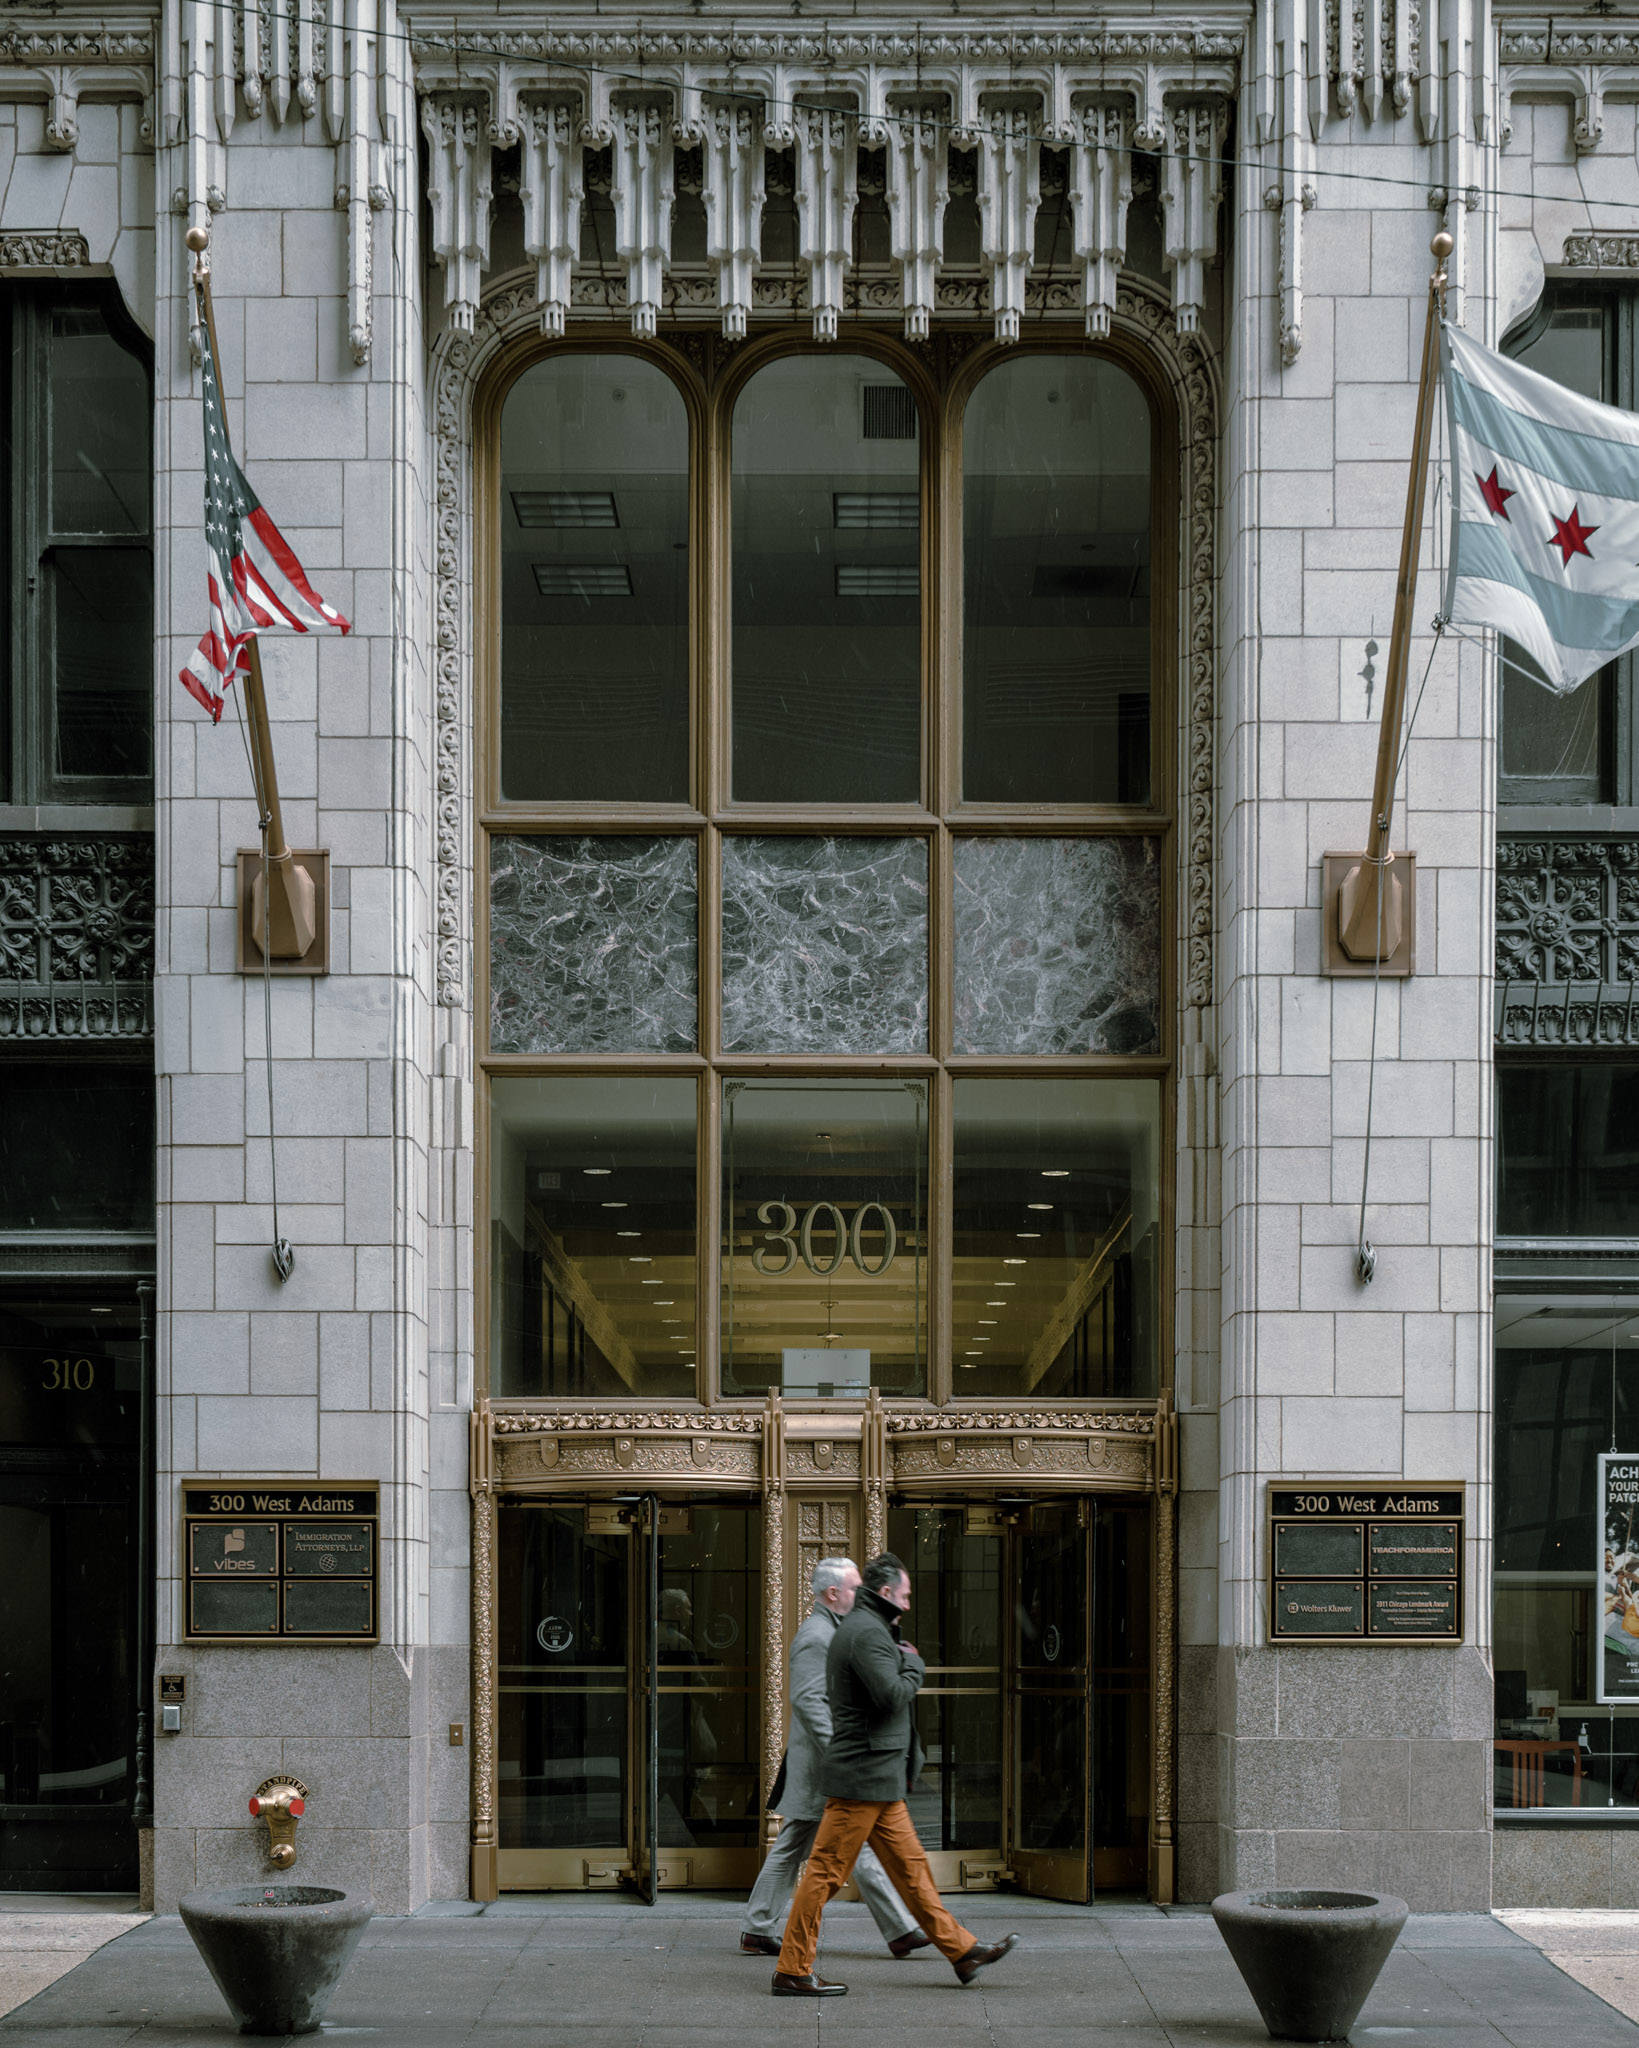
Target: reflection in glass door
x=629, y=1669
x=1051, y=1703
x=1034, y=1622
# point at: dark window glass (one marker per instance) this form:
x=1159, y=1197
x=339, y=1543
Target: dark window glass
x=68, y=1376
x=1056, y=645
x=102, y=629
x=594, y=526
x=76, y=1146
x=1567, y=1386
x=592, y=1207
x=1568, y=1150
x=100, y=462
x=827, y=585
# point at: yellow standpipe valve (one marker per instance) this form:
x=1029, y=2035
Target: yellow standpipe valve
x=281, y=1802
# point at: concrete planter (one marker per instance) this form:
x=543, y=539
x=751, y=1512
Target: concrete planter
x=277, y=1951
x=1309, y=1958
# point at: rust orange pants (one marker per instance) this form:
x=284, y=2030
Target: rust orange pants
x=847, y=1825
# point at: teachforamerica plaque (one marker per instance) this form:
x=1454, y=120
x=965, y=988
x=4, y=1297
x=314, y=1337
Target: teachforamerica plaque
x=1365, y=1564
x=280, y=1564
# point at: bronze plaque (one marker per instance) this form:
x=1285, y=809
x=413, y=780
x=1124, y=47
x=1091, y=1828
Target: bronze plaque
x=1365, y=1563
x=1402, y=1607
x=276, y=1560
x=233, y=1550
x=1318, y=1607
x=1416, y=1550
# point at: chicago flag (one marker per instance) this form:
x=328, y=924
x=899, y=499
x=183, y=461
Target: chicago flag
x=1544, y=513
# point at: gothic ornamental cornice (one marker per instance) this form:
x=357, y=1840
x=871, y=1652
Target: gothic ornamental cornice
x=1581, y=61
x=51, y=58
x=594, y=109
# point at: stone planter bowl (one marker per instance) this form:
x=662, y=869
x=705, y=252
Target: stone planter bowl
x=277, y=1951
x=1309, y=1958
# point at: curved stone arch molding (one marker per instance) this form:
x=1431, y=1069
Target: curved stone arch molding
x=509, y=312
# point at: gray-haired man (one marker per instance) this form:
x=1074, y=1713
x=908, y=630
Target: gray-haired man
x=835, y=1582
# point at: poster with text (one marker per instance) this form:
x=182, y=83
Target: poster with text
x=1618, y=1577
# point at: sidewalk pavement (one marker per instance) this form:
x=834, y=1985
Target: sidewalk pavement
x=593, y=1972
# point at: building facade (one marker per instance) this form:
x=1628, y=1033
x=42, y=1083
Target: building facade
x=870, y=545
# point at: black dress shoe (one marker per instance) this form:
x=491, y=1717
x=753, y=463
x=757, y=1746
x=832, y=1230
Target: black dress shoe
x=907, y=1944
x=787, y=1986
x=758, y=1945
x=968, y=1967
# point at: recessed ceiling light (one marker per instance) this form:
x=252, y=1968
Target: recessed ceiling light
x=988, y=1322
x=614, y=1205
x=830, y=1333
x=1011, y=1262
x=1055, y=1173
x=583, y=579
x=628, y=1233
x=822, y=1134
x=668, y=1303
x=653, y=1283
x=998, y=1304
x=965, y=1367
x=640, y=1259
x=1009, y=1283
x=671, y=1319
x=598, y=1172
x=1027, y=1233
x=981, y=1340
x=1038, y=1205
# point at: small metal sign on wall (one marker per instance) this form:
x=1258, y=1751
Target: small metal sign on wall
x=280, y=1563
x=1366, y=1564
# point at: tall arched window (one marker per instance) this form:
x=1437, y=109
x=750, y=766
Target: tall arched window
x=827, y=909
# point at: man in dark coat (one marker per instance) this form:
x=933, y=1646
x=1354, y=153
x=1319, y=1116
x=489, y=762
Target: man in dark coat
x=873, y=1760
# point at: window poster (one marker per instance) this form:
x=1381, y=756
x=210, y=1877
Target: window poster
x=1619, y=1577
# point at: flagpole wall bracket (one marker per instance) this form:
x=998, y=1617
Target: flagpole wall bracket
x=301, y=912
x=1349, y=923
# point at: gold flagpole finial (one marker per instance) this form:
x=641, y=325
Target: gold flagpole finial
x=199, y=241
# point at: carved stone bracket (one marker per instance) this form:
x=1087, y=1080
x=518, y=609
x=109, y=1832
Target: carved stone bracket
x=1192, y=188
x=44, y=58
x=823, y=94
x=460, y=195
x=1101, y=190
x=552, y=188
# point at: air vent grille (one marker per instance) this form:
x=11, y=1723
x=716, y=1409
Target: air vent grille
x=859, y=509
x=583, y=579
x=888, y=412
x=878, y=579
x=565, y=508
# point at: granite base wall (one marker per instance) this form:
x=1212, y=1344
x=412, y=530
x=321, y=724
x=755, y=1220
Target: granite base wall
x=1367, y=1769
x=388, y=1795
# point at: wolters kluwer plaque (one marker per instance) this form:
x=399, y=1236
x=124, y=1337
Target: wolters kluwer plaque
x=1369, y=1564
x=275, y=1563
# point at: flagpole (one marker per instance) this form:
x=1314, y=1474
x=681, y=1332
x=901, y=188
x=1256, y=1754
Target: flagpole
x=284, y=903
x=1371, y=915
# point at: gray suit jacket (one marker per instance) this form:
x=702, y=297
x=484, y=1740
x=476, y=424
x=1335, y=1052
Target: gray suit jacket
x=810, y=1730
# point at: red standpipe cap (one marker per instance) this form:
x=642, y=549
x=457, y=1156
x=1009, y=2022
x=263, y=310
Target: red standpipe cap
x=256, y=1809
x=298, y=1807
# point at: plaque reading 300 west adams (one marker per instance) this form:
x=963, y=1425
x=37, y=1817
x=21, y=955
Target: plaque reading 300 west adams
x=1365, y=1564
x=280, y=1562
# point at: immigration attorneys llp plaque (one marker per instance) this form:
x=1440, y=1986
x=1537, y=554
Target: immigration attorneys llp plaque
x=279, y=1563
x=1366, y=1564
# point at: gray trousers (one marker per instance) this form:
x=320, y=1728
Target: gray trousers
x=771, y=1895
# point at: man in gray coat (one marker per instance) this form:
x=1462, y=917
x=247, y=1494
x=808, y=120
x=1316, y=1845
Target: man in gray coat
x=801, y=1802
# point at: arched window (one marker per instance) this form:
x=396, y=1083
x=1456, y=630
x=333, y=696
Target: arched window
x=827, y=914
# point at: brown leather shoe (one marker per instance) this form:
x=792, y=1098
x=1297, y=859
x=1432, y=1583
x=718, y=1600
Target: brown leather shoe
x=786, y=1986
x=907, y=1944
x=758, y=1945
x=968, y=1967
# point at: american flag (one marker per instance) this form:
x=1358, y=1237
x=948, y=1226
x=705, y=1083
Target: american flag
x=254, y=579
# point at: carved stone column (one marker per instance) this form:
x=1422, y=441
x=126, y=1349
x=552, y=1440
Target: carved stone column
x=644, y=192
x=460, y=196
x=827, y=159
x=1192, y=186
x=874, y=1465
x=734, y=207
x=1009, y=197
x=918, y=191
x=486, y=1876
x=1101, y=190
x=551, y=185
x=1163, y=1838
x=773, y=1604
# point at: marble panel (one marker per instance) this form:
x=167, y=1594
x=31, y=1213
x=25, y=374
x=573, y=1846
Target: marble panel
x=825, y=945
x=594, y=944
x=1057, y=946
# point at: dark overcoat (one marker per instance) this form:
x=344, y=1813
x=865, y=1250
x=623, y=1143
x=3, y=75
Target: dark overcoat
x=872, y=1681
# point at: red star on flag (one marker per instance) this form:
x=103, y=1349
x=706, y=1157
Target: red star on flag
x=1571, y=537
x=1496, y=498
